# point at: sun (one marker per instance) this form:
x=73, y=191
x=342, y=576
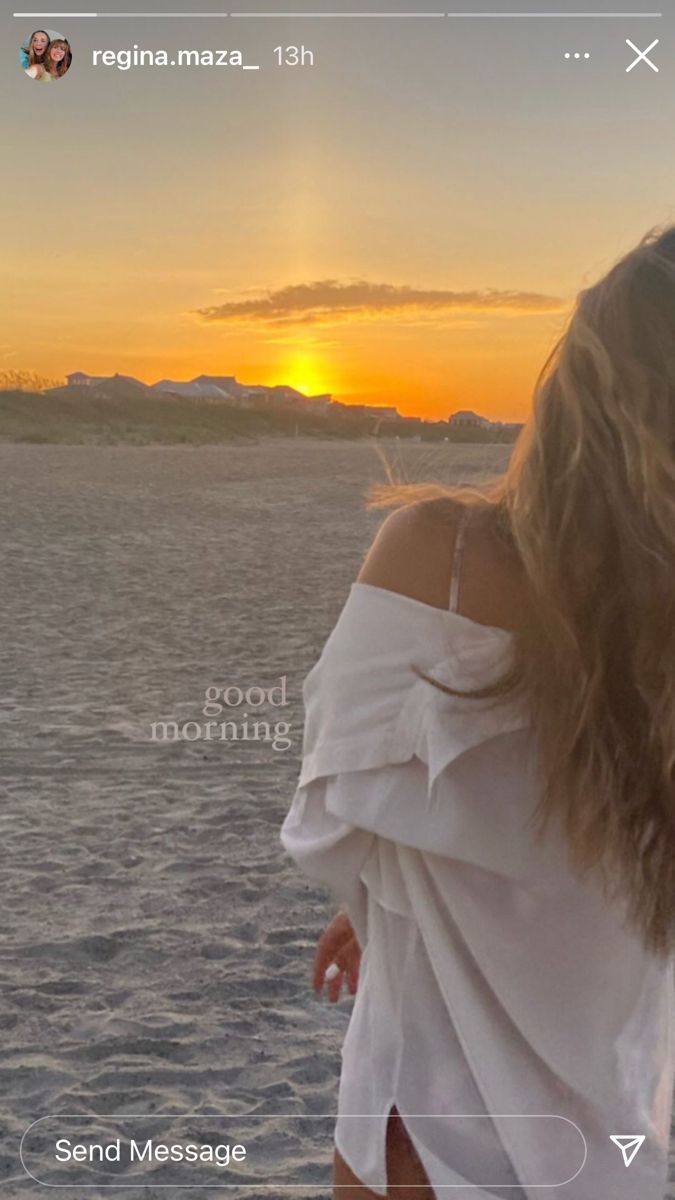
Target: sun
x=305, y=373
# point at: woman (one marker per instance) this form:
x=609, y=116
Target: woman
x=33, y=58
x=57, y=59
x=488, y=788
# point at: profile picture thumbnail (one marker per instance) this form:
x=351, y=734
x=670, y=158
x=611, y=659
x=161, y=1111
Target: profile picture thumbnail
x=46, y=55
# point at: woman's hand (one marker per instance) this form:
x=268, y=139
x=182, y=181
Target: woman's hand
x=338, y=945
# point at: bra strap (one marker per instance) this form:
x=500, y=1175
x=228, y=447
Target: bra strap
x=458, y=561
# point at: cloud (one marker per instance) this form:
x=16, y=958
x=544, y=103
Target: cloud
x=331, y=301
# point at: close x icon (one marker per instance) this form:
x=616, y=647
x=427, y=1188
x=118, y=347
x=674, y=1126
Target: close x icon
x=642, y=55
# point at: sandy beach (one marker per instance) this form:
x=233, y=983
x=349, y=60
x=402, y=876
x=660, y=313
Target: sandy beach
x=157, y=944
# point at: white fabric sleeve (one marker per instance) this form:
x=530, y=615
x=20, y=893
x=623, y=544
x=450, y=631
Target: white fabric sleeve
x=329, y=851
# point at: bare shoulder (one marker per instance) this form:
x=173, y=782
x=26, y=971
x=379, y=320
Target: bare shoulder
x=413, y=551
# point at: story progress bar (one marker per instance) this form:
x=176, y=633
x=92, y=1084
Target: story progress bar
x=345, y=15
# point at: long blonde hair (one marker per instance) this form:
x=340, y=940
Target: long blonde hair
x=33, y=58
x=587, y=506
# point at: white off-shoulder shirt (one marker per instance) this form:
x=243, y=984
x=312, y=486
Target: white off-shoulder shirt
x=503, y=1006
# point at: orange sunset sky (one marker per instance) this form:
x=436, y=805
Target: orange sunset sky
x=406, y=223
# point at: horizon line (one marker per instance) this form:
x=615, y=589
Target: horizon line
x=332, y=397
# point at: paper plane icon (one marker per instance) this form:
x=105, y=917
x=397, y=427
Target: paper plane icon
x=629, y=1144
